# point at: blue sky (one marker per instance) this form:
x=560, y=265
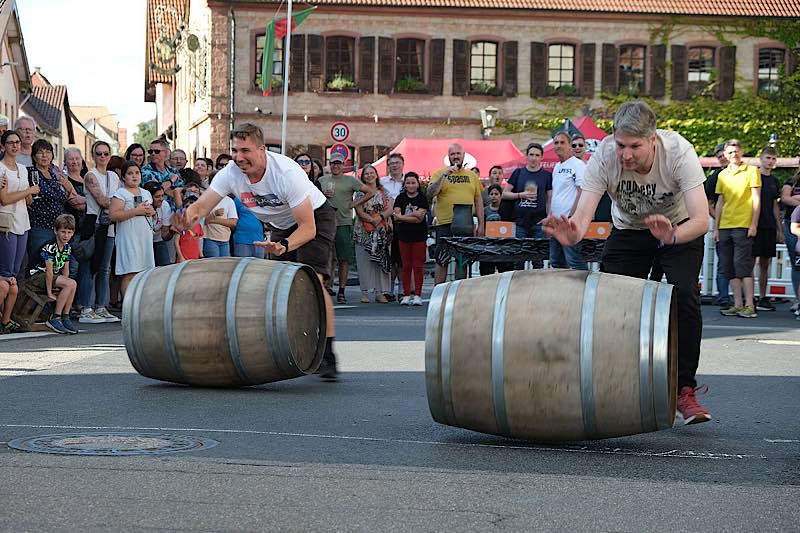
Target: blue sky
x=95, y=48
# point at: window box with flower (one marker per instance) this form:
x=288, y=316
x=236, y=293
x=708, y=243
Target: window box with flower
x=410, y=84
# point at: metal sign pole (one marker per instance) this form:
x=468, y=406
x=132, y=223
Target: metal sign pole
x=287, y=45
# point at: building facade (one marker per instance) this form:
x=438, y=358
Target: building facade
x=402, y=68
x=15, y=78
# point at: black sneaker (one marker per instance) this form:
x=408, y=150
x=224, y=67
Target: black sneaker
x=764, y=305
x=69, y=326
x=327, y=370
x=330, y=291
x=390, y=297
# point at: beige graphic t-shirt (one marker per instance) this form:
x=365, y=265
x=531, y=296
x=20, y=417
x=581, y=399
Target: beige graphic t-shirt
x=634, y=196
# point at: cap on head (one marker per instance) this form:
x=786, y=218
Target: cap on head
x=336, y=158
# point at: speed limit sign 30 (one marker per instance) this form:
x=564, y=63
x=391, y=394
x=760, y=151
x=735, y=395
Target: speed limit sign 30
x=340, y=132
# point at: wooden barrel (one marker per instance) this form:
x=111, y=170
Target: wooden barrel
x=552, y=355
x=225, y=322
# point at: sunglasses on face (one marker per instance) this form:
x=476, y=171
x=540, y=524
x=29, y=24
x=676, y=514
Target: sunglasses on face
x=151, y=151
x=101, y=154
x=304, y=161
x=577, y=146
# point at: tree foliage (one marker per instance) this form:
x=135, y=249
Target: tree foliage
x=145, y=132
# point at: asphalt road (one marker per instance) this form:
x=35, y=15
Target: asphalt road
x=364, y=454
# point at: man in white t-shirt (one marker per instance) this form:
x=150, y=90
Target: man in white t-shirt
x=659, y=209
x=393, y=184
x=277, y=191
x=567, y=183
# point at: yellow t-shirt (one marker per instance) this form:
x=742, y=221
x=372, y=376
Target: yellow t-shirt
x=734, y=186
x=462, y=188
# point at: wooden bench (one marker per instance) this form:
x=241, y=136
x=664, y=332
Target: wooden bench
x=32, y=307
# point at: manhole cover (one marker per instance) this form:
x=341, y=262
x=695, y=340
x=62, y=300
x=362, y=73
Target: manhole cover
x=111, y=443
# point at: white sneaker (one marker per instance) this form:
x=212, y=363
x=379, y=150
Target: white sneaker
x=406, y=300
x=103, y=313
x=88, y=316
x=416, y=300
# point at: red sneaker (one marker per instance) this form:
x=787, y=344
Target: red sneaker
x=689, y=408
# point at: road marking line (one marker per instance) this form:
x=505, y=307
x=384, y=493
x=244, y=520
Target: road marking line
x=781, y=441
x=739, y=328
x=27, y=335
x=687, y=454
x=778, y=342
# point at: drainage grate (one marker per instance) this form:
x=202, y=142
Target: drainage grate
x=111, y=443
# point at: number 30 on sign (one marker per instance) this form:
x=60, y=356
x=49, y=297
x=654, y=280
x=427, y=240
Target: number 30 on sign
x=340, y=132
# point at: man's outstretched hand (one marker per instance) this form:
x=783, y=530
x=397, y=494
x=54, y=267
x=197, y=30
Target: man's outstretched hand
x=562, y=228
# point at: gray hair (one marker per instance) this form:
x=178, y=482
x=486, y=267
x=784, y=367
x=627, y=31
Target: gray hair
x=161, y=141
x=72, y=150
x=23, y=118
x=560, y=133
x=636, y=119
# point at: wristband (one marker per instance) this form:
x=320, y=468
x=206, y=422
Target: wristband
x=662, y=244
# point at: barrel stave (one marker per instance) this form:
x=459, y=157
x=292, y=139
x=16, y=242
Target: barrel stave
x=542, y=355
x=471, y=377
x=615, y=357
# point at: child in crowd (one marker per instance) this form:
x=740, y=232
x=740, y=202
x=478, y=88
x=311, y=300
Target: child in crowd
x=249, y=229
x=187, y=246
x=411, y=228
x=491, y=213
x=161, y=225
x=51, y=271
x=132, y=211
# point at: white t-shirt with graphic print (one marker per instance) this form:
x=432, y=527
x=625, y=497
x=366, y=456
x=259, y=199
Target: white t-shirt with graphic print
x=676, y=169
x=283, y=187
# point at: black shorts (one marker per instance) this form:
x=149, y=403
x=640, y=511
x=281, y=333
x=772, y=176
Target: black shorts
x=317, y=252
x=765, y=242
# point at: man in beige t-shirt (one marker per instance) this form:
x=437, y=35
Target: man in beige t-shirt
x=659, y=210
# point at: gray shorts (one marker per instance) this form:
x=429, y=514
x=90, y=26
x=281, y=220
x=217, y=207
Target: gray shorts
x=736, y=253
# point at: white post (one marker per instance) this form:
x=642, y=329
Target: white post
x=287, y=45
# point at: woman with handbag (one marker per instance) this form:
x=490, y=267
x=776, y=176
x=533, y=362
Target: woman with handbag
x=15, y=194
x=101, y=184
x=372, y=235
x=50, y=203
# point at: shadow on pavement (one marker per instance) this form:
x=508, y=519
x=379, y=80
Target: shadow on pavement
x=382, y=419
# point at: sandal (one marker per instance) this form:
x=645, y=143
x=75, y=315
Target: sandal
x=341, y=299
x=364, y=298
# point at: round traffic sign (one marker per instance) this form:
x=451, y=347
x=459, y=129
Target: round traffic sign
x=341, y=149
x=340, y=132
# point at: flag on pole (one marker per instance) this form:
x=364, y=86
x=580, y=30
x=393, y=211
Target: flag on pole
x=276, y=29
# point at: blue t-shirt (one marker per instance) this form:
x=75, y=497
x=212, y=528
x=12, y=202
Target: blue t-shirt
x=530, y=212
x=249, y=228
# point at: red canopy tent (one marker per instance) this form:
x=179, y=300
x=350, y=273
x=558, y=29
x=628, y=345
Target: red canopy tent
x=584, y=124
x=425, y=156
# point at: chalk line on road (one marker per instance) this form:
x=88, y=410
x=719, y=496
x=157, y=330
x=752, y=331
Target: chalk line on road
x=681, y=454
x=781, y=441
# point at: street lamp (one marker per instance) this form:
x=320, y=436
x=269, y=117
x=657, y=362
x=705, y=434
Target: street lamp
x=488, y=120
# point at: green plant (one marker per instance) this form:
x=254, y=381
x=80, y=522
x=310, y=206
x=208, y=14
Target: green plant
x=484, y=87
x=562, y=90
x=410, y=84
x=277, y=82
x=340, y=82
